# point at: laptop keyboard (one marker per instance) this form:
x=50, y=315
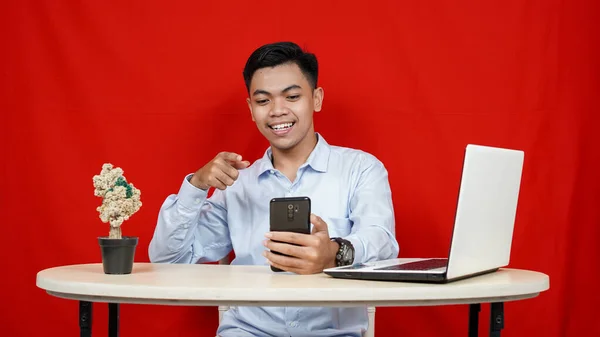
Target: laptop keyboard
x=418, y=265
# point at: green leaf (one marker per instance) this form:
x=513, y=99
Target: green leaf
x=122, y=182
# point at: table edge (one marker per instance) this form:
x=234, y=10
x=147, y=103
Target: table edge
x=322, y=302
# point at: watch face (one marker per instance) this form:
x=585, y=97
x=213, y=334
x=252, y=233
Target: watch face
x=348, y=256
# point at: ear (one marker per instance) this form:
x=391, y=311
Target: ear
x=318, y=98
x=250, y=108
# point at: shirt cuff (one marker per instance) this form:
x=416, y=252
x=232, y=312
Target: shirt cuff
x=190, y=196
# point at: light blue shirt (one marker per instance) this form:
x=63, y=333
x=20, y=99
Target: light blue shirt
x=349, y=190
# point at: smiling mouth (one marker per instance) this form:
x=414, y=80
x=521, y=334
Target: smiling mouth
x=282, y=126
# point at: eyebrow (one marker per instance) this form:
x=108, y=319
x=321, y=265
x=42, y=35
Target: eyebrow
x=264, y=92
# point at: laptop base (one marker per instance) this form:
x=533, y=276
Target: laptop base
x=403, y=277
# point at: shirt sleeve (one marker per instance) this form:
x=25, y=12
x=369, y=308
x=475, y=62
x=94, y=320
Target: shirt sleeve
x=191, y=228
x=372, y=214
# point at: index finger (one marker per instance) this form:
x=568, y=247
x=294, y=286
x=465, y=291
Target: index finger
x=291, y=237
x=231, y=156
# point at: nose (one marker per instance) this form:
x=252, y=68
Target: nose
x=279, y=107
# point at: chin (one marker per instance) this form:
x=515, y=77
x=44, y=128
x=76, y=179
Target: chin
x=283, y=144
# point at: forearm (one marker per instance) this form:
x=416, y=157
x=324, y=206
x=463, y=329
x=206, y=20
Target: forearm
x=189, y=229
x=173, y=237
x=373, y=243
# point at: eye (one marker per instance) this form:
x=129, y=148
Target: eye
x=293, y=97
x=262, y=101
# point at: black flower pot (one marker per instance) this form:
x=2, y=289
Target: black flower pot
x=118, y=254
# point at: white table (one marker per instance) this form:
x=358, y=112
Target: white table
x=214, y=285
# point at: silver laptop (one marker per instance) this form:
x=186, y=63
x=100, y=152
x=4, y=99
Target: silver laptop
x=483, y=225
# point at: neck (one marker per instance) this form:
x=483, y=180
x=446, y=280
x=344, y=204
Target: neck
x=288, y=161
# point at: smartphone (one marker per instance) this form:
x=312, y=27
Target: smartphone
x=289, y=214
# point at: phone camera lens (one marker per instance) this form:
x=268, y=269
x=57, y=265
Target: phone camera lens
x=290, y=206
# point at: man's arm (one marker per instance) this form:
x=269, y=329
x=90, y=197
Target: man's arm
x=190, y=228
x=372, y=214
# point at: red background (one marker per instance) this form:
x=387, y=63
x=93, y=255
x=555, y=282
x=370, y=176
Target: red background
x=157, y=89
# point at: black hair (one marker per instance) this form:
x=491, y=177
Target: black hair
x=274, y=54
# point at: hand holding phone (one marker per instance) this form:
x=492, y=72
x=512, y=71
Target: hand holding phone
x=293, y=246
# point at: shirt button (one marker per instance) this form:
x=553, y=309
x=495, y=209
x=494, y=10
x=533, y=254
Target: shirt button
x=272, y=172
x=197, y=201
x=294, y=324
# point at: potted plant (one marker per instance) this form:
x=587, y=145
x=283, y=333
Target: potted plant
x=120, y=200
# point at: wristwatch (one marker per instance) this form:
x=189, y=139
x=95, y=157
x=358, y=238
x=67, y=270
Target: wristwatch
x=344, y=255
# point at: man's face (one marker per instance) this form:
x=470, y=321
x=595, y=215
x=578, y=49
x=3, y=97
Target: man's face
x=282, y=103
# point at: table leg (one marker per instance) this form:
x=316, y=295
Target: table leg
x=113, y=319
x=474, y=319
x=85, y=319
x=496, y=319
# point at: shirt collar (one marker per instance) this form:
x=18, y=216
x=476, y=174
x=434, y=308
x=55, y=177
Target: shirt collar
x=318, y=159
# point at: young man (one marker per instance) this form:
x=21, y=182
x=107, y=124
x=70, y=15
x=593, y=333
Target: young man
x=350, y=199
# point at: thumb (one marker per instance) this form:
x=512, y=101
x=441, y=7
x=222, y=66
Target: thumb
x=318, y=224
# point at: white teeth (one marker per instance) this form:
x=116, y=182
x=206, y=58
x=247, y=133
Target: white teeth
x=282, y=126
